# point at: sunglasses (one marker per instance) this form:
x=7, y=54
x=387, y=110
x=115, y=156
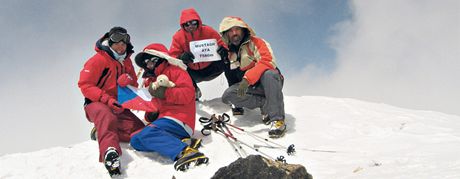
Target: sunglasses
x=190, y=23
x=119, y=36
x=154, y=59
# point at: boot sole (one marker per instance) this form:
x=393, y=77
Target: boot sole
x=198, y=161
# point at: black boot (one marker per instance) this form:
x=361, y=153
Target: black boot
x=112, y=161
x=237, y=111
x=265, y=119
x=277, y=129
x=197, y=93
x=93, y=134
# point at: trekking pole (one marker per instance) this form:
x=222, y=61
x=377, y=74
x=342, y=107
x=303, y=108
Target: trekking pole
x=217, y=123
x=289, y=150
x=211, y=124
x=311, y=150
x=247, y=145
x=237, y=148
x=222, y=122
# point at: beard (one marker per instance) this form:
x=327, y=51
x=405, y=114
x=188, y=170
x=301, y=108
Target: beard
x=236, y=39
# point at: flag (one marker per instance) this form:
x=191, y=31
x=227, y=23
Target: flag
x=136, y=99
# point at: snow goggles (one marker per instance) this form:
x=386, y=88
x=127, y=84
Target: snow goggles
x=190, y=23
x=119, y=36
x=154, y=60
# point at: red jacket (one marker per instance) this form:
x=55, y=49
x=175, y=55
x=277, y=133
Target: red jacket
x=256, y=55
x=182, y=38
x=100, y=73
x=179, y=101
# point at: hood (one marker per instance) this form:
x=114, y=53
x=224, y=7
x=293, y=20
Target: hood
x=161, y=51
x=232, y=21
x=188, y=15
x=103, y=45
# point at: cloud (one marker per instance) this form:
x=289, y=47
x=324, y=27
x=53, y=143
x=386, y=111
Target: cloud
x=404, y=53
x=45, y=44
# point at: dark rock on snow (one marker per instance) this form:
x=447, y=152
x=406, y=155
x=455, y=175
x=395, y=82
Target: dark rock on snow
x=256, y=166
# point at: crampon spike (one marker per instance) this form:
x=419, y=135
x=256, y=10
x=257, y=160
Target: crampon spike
x=281, y=159
x=291, y=149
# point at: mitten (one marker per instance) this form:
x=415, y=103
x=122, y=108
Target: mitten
x=187, y=57
x=112, y=103
x=223, y=52
x=124, y=80
x=115, y=106
x=157, y=93
x=243, y=88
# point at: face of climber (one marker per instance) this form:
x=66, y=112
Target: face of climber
x=235, y=35
x=191, y=26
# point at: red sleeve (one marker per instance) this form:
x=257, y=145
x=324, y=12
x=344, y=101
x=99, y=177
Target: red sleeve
x=130, y=70
x=263, y=52
x=177, y=45
x=183, y=92
x=91, y=73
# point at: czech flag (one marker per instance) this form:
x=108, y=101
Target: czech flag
x=136, y=99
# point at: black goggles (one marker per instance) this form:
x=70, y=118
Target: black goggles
x=190, y=23
x=119, y=36
x=154, y=59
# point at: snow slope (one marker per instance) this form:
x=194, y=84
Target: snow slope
x=367, y=140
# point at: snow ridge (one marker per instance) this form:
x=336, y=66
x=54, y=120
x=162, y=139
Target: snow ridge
x=367, y=140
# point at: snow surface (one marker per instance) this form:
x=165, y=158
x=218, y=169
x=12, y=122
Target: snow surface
x=367, y=140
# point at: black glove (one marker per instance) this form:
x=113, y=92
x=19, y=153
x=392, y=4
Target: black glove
x=243, y=88
x=187, y=57
x=151, y=116
x=223, y=52
x=158, y=93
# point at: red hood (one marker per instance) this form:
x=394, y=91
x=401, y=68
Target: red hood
x=157, y=47
x=188, y=15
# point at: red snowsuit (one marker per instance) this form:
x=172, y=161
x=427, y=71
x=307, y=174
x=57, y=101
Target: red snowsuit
x=179, y=101
x=98, y=78
x=182, y=38
x=200, y=71
x=176, y=110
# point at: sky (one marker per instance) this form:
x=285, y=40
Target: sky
x=403, y=53
x=339, y=138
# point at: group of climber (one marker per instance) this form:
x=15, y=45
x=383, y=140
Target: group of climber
x=246, y=60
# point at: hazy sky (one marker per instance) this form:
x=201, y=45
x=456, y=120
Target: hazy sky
x=400, y=52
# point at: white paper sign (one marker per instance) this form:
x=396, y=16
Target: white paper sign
x=204, y=50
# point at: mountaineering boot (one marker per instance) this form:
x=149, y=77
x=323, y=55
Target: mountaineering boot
x=93, y=134
x=265, y=119
x=237, y=111
x=190, y=155
x=112, y=161
x=277, y=129
x=197, y=94
x=192, y=142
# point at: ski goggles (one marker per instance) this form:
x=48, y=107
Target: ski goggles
x=119, y=36
x=154, y=60
x=190, y=23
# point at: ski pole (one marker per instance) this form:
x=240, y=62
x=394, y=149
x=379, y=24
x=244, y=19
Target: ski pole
x=289, y=150
x=311, y=150
x=247, y=145
x=223, y=124
x=211, y=124
x=235, y=148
